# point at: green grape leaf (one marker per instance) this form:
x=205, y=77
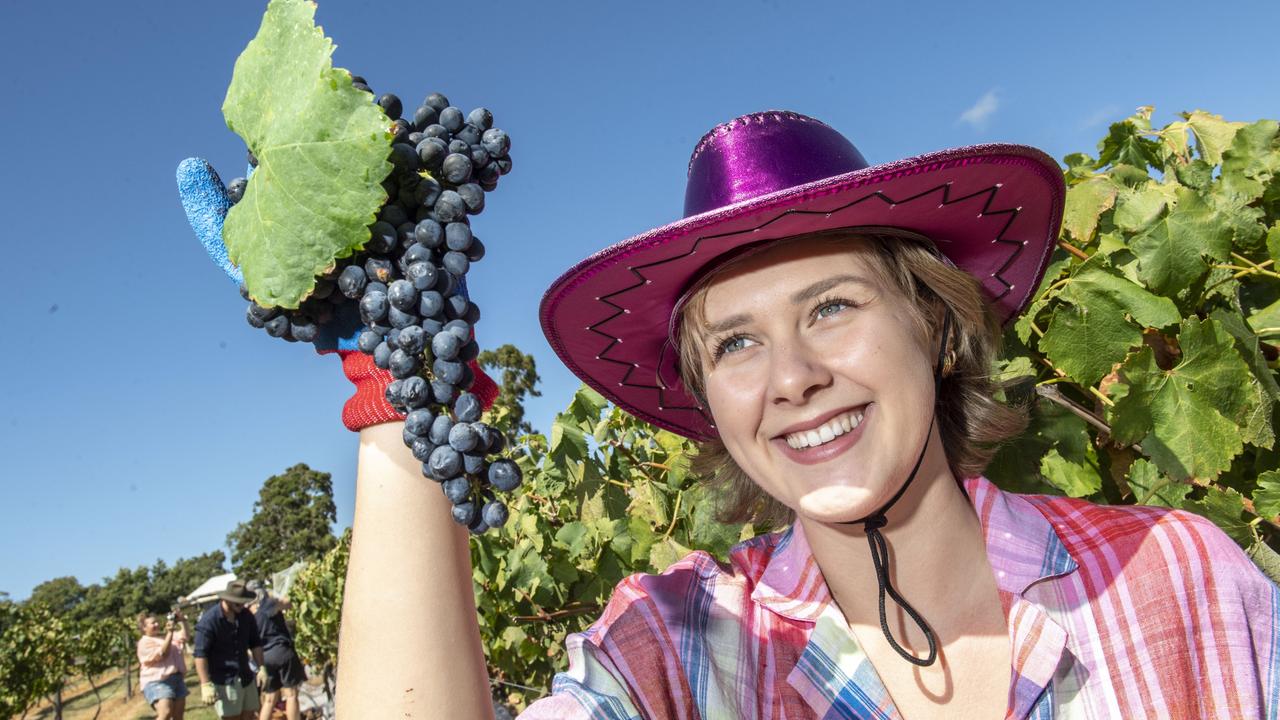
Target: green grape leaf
x=1085, y=202
x=1266, y=559
x=1183, y=417
x=1103, y=291
x=1257, y=419
x=1125, y=143
x=1251, y=161
x=1266, y=322
x=1151, y=488
x=1138, y=208
x=1171, y=251
x=1225, y=508
x=322, y=150
x=1213, y=134
x=1273, y=243
x=1085, y=343
x=666, y=552
x=1266, y=499
x=1074, y=479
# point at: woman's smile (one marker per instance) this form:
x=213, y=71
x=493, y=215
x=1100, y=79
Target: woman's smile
x=826, y=439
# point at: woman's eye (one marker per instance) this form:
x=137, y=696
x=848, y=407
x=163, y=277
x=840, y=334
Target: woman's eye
x=831, y=308
x=731, y=345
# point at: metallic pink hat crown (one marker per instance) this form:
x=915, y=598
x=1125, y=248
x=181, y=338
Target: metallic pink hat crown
x=993, y=210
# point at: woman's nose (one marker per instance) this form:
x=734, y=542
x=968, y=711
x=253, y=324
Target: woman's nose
x=796, y=372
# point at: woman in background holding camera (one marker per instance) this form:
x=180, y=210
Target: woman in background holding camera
x=161, y=666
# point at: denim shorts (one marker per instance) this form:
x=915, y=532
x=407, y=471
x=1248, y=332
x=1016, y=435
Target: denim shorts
x=171, y=687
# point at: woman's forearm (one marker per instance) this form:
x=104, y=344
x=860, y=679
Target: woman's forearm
x=409, y=644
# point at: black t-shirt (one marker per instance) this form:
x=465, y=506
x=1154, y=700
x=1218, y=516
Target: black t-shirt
x=225, y=644
x=271, y=626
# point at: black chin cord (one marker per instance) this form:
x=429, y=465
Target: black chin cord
x=880, y=551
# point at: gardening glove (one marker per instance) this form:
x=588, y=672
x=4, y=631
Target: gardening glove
x=207, y=694
x=262, y=677
x=205, y=200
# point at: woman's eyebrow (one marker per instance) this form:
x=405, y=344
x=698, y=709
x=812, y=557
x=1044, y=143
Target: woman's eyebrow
x=826, y=284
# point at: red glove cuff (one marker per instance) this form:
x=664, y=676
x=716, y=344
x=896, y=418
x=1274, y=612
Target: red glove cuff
x=369, y=406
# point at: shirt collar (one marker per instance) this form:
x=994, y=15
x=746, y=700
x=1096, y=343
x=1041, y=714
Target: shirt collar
x=1022, y=547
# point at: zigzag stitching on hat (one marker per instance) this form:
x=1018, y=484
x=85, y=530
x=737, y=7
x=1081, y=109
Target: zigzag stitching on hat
x=641, y=280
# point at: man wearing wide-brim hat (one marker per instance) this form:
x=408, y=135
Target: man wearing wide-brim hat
x=226, y=636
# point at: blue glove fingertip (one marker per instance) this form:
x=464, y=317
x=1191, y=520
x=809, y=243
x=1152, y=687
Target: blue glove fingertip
x=204, y=198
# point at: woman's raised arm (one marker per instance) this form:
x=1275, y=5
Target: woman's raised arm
x=410, y=643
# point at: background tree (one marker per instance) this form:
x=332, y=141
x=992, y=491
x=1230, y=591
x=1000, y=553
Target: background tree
x=316, y=596
x=291, y=522
x=186, y=575
x=518, y=380
x=61, y=595
x=102, y=645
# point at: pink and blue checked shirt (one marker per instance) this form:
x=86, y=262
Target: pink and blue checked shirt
x=1113, y=612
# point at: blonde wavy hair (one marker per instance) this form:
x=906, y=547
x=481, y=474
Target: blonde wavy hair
x=971, y=421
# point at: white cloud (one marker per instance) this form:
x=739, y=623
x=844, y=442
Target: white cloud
x=986, y=106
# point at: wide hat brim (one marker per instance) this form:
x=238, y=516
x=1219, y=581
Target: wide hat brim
x=244, y=597
x=993, y=210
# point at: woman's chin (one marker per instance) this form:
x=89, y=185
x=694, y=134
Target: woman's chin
x=836, y=503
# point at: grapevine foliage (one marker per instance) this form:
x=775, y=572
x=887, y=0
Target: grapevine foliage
x=1149, y=346
x=316, y=596
x=605, y=496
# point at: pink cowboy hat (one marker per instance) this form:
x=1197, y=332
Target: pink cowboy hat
x=993, y=210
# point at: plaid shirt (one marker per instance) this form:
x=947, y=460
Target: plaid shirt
x=1113, y=612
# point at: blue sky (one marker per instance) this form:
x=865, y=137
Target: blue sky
x=139, y=414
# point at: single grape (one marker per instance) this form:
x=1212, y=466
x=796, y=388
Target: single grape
x=361, y=87
x=495, y=513
x=419, y=422
x=421, y=450
x=393, y=214
x=475, y=253
x=468, y=378
x=450, y=207
x=404, y=157
x=430, y=326
x=445, y=462
x=430, y=303
x=431, y=152
x=469, y=351
x=469, y=134
x=382, y=355
x=421, y=274
x=378, y=269
x=463, y=437
x=504, y=165
x=391, y=105
x=456, y=263
x=277, y=326
x=253, y=318
x=401, y=319
x=456, y=168
x=235, y=190
x=409, y=438
x=451, y=117
x=456, y=307
x=488, y=174
x=415, y=137
x=425, y=115
x=392, y=393
x=412, y=339
x=436, y=101
x=402, y=364
x=495, y=142
x=406, y=236
x=304, y=330
x=446, y=284
x=440, y=428
x=400, y=130
x=445, y=346
x=459, y=147
x=457, y=489
x=431, y=190
x=497, y=443
x=463, y=513
x=373, y=306
x=478, y=526
x=437, y=131
x=447, y=371
x=472, y=196
x=467, y=408
x=263, y=314
x=382, y=238
x=443, y=391
x=504, y=475
x=473, y=464
x=415, y=392
x=402, y=295
x=457, y=235
x=430, y=234
x=481, y=117
x=460, y=328
x=479, y=157
x=415, y=253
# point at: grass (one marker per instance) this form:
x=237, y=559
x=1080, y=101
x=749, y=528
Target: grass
x=80, y=703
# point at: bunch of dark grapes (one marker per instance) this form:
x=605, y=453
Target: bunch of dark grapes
x=406, y=285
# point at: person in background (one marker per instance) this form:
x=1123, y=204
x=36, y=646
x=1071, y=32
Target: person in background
x=161, y=666
x=284, y=670
x=226, y=636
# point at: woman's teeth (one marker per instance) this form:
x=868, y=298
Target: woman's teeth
x=828, y=431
